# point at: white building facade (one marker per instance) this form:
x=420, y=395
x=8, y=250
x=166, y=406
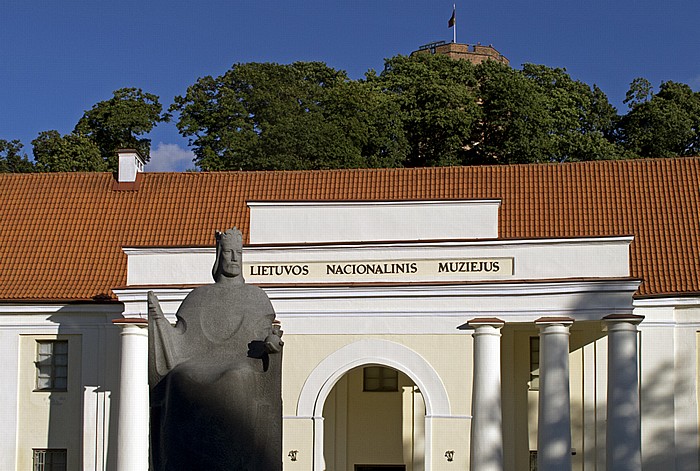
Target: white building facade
x=416, y=338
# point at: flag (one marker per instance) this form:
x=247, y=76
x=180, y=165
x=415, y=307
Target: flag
x=451, y=22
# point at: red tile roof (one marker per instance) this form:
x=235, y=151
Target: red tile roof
x=61, y=235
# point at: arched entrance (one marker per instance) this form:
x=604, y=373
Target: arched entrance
x=374, y=419
x=325, y=376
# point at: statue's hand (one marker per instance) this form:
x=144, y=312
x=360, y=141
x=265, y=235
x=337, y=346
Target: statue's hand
x=154, y=310
x=273, y=343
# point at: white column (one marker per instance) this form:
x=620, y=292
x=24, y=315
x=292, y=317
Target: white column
x=554, y=423
x=623, y=447
x=486, y=446
x=132, y=435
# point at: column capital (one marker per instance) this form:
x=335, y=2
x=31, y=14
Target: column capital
x=545, y=321
x=629, y=318
x=486, y=321
x=129, y=321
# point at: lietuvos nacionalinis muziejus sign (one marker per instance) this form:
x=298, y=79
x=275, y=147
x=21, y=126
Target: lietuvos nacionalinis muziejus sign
x=468, y=269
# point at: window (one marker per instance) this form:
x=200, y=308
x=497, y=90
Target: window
x=51, y=459
x=534, y=363
x=533, y=460
x=52, y=365
x=380, y=379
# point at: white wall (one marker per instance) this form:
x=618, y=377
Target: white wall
x=353, y=221
x=79, y=419
x=669, y=383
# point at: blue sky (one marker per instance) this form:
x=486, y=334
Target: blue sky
x=58, y=58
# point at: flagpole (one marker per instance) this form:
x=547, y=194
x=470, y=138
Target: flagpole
x=454, y=28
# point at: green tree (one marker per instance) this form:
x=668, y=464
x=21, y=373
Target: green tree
x=666, y=124
x=69, y=153
x=305, y=115
x=11, y=158
x=515, y=125
x=640, y=91
x=583, y=121
x=424, y=110
x=540, y=114
x=120, y=122
x=438, y=104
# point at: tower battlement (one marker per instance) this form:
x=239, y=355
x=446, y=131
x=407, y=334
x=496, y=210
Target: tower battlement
x=474, y=53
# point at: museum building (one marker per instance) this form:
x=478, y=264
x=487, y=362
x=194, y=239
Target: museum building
x=489, y=318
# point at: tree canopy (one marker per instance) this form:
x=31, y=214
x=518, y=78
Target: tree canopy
x=119, y=122
x=70, y=153
x=437, y=101
x=422, y=110
x=665, y=124
x=540, y=114
x=280, y=117
x=11, y=158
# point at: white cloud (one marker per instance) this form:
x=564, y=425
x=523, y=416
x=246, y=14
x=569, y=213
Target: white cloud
x=170, y=158
x=695, y=83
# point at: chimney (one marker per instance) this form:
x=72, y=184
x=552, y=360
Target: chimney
x=130, y=163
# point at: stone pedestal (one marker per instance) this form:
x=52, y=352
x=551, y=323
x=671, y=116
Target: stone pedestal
x=623, y=428
x=486, y=449
x=132, y=435
x=554, y=424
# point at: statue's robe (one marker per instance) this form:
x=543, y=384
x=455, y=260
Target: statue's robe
x=219, y=407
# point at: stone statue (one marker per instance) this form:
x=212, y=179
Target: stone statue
x=215, y=377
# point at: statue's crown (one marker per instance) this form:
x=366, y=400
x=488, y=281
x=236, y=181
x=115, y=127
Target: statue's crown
x=230, y=238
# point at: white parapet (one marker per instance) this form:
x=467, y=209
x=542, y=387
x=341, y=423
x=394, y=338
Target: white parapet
x=293, y=222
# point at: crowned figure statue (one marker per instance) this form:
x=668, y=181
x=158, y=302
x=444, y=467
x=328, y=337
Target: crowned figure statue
x=215, y=376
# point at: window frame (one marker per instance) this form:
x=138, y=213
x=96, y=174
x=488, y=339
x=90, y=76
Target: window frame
x=54, y=362
x=534, y=345
x=387, y=379
x=40, y=462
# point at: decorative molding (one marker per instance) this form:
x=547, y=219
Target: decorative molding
x=124, y=321
x=670, y=301
x=427, y=308
x=62, y=308
x=168, y=250
x=436, y=244
x=334, y=203
x=563, y=320
x=515, y=288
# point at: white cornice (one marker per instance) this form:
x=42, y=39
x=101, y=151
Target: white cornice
x=139, y=294
x=410, y=290
x=436, y=244
x=168, y=250
x=432, y=290
x=678, y=301
x=441, y=243
x=686, y=325
x=61, y=308
x=428, y=307
x=330, y=203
